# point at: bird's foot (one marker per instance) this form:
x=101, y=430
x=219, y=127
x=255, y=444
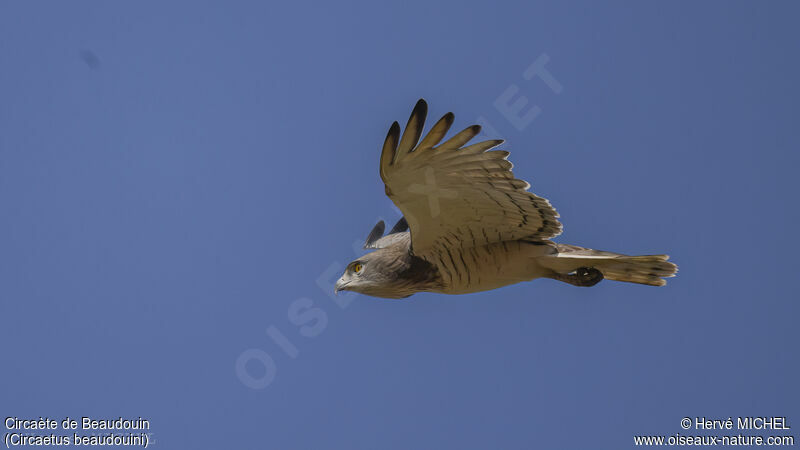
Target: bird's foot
x=583, y=276
x=587, y=276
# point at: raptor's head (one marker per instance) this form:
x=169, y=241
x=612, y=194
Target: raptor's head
x=390, y=271
x=378, y=274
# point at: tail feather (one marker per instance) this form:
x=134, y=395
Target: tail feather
x=644, y=269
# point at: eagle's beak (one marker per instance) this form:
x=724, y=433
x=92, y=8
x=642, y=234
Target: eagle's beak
x=340, y=286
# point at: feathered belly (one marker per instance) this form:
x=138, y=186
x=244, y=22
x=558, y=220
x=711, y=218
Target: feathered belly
x=489, y=267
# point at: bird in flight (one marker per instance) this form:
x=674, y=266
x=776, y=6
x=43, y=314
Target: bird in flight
x=469, y=225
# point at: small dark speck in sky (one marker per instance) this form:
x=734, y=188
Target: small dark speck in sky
x=90, y=59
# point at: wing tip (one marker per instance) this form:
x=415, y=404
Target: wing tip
x=375, y=234
x=389, y=148
x=419, y=112
x=400, y=226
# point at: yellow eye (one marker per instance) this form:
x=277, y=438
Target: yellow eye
x=357, y=268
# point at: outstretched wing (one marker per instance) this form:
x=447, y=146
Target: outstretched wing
x=457, y=195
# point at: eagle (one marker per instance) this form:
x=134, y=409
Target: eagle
x=469, y=225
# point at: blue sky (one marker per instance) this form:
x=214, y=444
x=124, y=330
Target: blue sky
x=176, y=176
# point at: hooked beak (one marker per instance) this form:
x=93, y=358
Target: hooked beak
x=341, y=285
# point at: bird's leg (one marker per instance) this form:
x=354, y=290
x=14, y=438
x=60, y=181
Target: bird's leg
x=583, y=276
x=589, y=276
